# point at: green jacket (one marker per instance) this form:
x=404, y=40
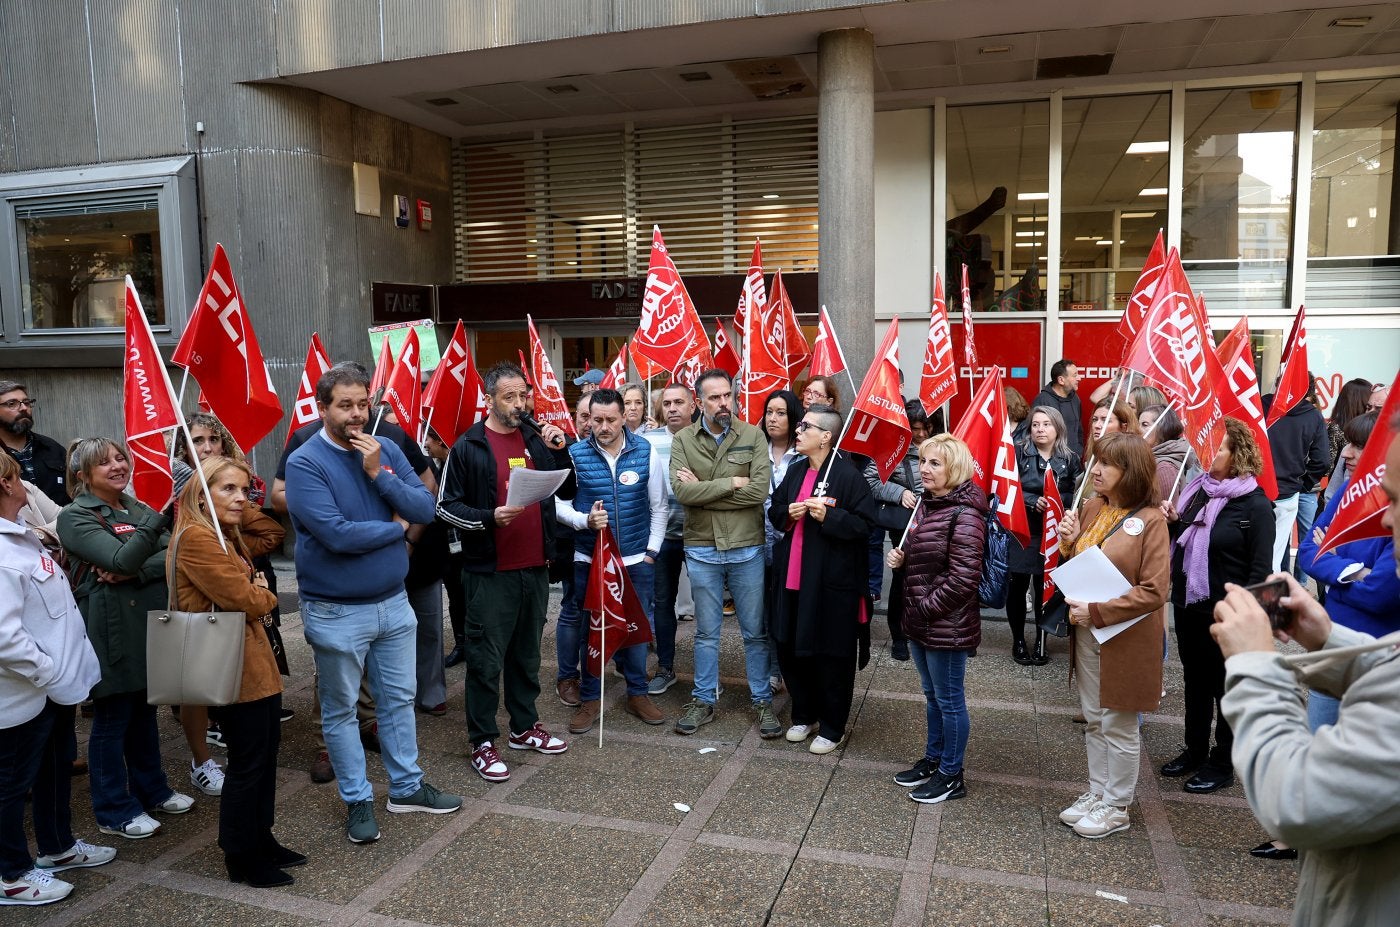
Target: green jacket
x=716, y=514
x=116, y=612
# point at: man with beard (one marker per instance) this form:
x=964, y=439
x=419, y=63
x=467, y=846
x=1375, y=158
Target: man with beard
x=40, y=457
x=352, y=497
x=505, y=558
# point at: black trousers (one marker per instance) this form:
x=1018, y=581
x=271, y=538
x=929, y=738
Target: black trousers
x=1203, y=673
x=894, y=608
x=1017, y=585
x=253, y=731
x=821, y=688
x=36, y=758
x=456, y=599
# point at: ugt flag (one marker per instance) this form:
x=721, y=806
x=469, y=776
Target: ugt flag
x=1239, y=397
x=938, y=382
x=670, y=326
x=550, y=406
x=1293, y=379
x=1050, y=533
x=615, y=615
x=986, y=430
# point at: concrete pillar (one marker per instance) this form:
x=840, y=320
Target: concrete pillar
x=846, y=190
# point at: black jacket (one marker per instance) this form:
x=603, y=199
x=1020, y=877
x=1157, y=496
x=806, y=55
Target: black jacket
x=48, y=467
x=1069, y=409
x=468, y=499
x=1301, y=452
x=1032, y=466
x=1241, y=544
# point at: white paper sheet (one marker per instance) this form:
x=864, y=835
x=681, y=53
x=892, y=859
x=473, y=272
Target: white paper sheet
x=527, y=487
x=1104, y=635
x=1092, y=577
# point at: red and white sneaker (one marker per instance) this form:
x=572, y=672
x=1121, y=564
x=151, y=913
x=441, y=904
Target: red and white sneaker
x=34, y=887
x=488, y=763
x=537, y=739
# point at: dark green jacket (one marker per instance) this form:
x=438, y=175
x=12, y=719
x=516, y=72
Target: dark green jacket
x=131, y=543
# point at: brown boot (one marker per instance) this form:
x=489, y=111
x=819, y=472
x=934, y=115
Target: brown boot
x=641, y=706
x=321, y=770
x=583, y=720
x=567, y=690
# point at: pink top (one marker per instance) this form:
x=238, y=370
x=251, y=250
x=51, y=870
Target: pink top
x=794, y=573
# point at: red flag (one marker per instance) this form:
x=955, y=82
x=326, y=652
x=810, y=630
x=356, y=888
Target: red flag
x=753, y=287
x=382, y=368
x=1170, y=350
x=221, y=352
x=794, y=342
x=550, y=407
x=1364, y=502
x=455, y=398
x=726, y=358
x=615, y=615
x=827, y=359
x=1050, y=533
x=879, y=426
x=317, y=363
x=670, y=326
x=938, y=382
x=616, y=374
x=404, y=392
x=986, y=430
x=1141, y=297
x=969, y=344
x=645, y=368
x=149, y=408
x=1293, y=380
x=1239, y=396
x=765, y=360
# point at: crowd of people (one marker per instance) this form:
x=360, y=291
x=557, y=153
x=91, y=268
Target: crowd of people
x=772, y=523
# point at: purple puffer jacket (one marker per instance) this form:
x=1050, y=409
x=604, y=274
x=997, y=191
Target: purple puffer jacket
x=940, y=586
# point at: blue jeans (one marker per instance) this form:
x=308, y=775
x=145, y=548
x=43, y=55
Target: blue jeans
x=431, y=674
x=1322, y=709
x=942, y=673
x=124, y=758
x=1307, y=514
x=376, y=640
x=666, y=586
x=567, y=645
x=741, y=570
x=631, y=660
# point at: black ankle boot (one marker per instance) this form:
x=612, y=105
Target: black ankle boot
x=283, y=858
x=455, y=655
x=255, y=870
x=1019, y=654
x=1039, y=657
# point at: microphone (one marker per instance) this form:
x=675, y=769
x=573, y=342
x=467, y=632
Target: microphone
x=527, y=419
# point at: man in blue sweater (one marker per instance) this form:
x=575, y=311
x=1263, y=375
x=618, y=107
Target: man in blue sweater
x=352, y=497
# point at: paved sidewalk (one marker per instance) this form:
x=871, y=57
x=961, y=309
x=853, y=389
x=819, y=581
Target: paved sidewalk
x=773, y=835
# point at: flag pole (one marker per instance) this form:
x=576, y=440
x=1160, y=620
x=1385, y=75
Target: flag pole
x=904, y=537
x=1177, y=482
x=203, y=483
x=1153, y=427
x=603, y=664
x=842, y=354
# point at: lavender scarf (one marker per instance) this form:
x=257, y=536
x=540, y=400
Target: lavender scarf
x=1195, y=540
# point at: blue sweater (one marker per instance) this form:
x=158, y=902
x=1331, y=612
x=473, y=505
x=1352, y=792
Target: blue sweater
x=1372, y=604
x=349, y=549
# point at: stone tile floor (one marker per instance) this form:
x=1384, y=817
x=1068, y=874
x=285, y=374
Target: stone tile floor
x=773, y=835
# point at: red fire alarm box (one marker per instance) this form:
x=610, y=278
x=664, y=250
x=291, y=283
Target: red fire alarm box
x=425, y=215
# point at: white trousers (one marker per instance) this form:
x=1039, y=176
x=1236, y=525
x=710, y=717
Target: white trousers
x=1111, y=737
x=1285, y=515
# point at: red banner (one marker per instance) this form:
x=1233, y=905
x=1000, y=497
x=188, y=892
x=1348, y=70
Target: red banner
x=726, y=358
x=1293, y=378
x=987, y=433
x=550, y=407
x=794, y=342
x=616, y=618
x=1364, y=502
x=616, y=374
x=969, y=341
x=220, y=350
x=455, y=398
x=827, y=359
x=1141, y=298
x=1014, y=347
x=382, y=368
x=753, y=290
x=879, y=426
x=939, y=381
x=404, y=392
x=1239, y=396
x=1050, y=533
x=765, y=360
x=670, y=326
x=317, y=362
x=149, y=408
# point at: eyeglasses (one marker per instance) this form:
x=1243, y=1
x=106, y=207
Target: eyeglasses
x=812, y=394
x=804, y=426
x=10, y=405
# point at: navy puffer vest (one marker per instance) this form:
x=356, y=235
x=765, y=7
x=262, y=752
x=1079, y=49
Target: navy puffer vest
x=626, y=494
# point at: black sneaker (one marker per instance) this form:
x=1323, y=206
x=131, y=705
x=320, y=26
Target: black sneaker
x=942, y=787
x=921, y=772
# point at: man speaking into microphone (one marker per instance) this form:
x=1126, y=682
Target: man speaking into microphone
x=505, y=557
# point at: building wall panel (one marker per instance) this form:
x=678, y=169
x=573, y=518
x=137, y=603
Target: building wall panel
x=414, y=28
x=50, y=83
x=525, y=21
x=319, y=35
x=136, y=72
x=648, y=14
x=218, y=52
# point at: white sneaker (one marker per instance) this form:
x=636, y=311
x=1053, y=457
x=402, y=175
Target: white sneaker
x=82, y=855
x=1071, y=815
x=1103, y=819
x=177, y=803
x=207, y=777
x=34, y=887
x=800, y=732
x=138, y=828
x=823, y=745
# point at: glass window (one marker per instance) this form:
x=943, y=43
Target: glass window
x=1353, y=246
x=998, y=203
x=75, y=253
x=1237, y=206
x=1114, y=195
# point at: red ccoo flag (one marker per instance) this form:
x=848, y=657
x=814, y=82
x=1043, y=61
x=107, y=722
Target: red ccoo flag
x=616, y=373
x=794, y=342
x=879, y=426
x=1239, y=396
x=938, y=383
x=1293, y=379
x=753, y=290
x=1050, y=533
x=726, y=358
x=404, y=391
x=670, y=326
x=382, y=369
x=1170, y=350
x=317, y=363
x=765, y=360
x=455, y=398
x=149, y=408
x=986, y=430
x=1364, y=502
x=550, y=407
x=1141, y=297
x=221, y=352
x=969, y=343
x=615, y=615
x=827, y=357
